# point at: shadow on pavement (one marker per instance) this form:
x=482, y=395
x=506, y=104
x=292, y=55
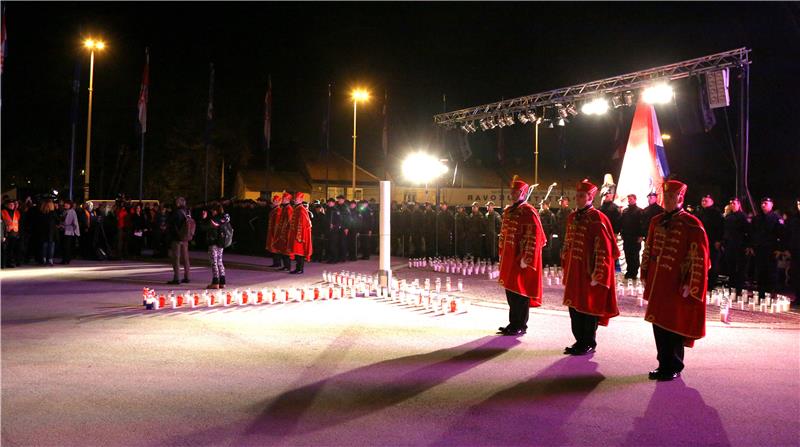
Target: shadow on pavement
x=677, y=415
x=533, y=412
x=362, y=391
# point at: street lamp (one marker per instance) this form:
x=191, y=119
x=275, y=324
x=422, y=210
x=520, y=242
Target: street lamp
x=91, y=45
x=358, y=95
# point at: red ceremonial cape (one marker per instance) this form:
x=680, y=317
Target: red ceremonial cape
x=300, y=232
x=675, y=259
x=282, y=245
x=522, y=238
x=272, y=228
x=588, y=255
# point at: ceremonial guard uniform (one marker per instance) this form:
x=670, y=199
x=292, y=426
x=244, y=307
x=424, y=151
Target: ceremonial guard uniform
x=282, y=241
x=300, y=246
x=272, y=230
x=493, y=222
x=588, y=259
x=521, y=241
x=675, y=270
x=734, y=239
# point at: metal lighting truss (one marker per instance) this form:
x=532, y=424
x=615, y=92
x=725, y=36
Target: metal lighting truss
x=609, y=86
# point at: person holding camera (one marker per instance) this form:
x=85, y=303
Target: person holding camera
x=216, y=227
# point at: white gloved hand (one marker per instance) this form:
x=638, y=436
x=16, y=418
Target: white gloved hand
x=594, y=283
x=685, y=291
x=522, y=264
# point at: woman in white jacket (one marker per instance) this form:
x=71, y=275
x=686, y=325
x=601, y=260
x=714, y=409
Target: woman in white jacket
x=71, y=231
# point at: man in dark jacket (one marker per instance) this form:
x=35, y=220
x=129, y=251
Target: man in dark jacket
x=352, y=226
x=713, y=222
x=177, y=234
x=736, y=229
x=765, y=243
x=333, y=224
x=366, y=222
x=793, y=245
x=652, y=210
x=492, y=221
x=611, y=210
x=630, y=227
x=475, y=231
x=444, y=230
x=550, y=227
x=429, y=230
x=557, y=239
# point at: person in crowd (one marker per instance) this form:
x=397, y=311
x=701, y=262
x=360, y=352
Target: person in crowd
x=11, y=226
x=492, y=223
x=180, y=232
x=521, y=241
x=29, y=248
x=444, y=230
x=352, y=227
x=272, y=230
x=86, y=222
x=475, y=228
x=212, y=225
x=138, y=229
x=713, y=222
x=124, y=227
x=366, y=219
x=764, y=245
x=72, y=231
x=736, y=229
x=429, y=230
x=461, y=232
x=561, y=225
x=630, y=226
x=590, y=250
x=301, y=247
x=415, y=228
x=793, y=250
x=282, y=242
x=611, y=209
x=319, y=232
x=341, y=205
x=47, y=231
x=550, y=228
x=652, y=210
x=675, y=267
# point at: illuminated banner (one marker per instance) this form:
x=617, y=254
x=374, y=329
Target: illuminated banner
x=645, y=163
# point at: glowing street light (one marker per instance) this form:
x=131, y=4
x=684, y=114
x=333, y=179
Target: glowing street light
x=359, y=95
x=665, y=137
x=91, y=45
x=422, y=168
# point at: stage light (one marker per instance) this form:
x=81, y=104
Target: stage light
x=561, y=122
x=665, y=137
x=484, y=125
x=628, y=96
x=658, y=94
x=562, y=112
x=571, y=110
x=617, y=101
x=471, y=127
x=423, y=168
x=509, y=120
x=501, y=122
x=549, y=123
x=597, y=106
x=491, y=123
x=522, y=118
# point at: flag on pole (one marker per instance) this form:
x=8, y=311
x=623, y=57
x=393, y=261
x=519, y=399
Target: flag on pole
x=268, y=114
x=144, y=92
x=644, y=165
x=3, y=51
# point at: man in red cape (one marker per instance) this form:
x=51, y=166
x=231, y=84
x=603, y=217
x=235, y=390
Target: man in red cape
x=282, y=241
x=300, y=234
x=675, y=267
x=272, y=230
x=588, y=256
x=521, y=242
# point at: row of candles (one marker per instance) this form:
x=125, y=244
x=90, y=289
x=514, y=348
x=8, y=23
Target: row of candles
x=457, y=266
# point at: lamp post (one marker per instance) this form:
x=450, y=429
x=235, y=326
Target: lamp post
x=358, y=95
x=92, y=45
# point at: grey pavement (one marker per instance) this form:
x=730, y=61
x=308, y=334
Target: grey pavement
x=84, y=364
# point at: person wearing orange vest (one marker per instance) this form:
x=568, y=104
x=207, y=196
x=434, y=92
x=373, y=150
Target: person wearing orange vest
x=11, y=217
x=282, y=244
x=521, y=241
x=300, y=234
x=674, y=269
x=272, y=229
x=588, y=256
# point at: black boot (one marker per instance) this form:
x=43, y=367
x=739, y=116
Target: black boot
x=276, y=261
x=299, y=268
x=222, y=281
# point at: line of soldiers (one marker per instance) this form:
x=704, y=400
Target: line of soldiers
x=421, y=231
x=674, y=269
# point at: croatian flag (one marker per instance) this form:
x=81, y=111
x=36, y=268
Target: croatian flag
x=644, y=165
x=144, y=92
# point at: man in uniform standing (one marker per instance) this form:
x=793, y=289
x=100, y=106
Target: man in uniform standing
x=713, y=222
x=415, y=223
x=765, y=243
x=493, y=222
x=461, y=220
x=675, y=271
x=561, y=228
x=475, y=228
x=610, y=209
x=588, y=259
x=735, y=233
x=550, y=229
x=429, y=232
x=333, y=222
x=272, y=230
x=366, y=218
x=652, y=210
x=282, y=242
x=343, y=231
x=444, y=230
x=352, y=226
x=300, y=246
x=521, y=241
x=630, y=226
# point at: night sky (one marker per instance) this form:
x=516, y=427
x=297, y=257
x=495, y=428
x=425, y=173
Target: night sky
x=472, y=52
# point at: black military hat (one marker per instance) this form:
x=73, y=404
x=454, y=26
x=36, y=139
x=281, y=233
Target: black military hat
x=340, y=196
x=331, y=199
x=766, y=199
x=652, y=194
x=563, y=198
x=734, y=198
x=708, y=196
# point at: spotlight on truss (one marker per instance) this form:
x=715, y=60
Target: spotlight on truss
x=484, y=125
x=562, y=112
x=509, y=120
x=501, y=123
x=571, y=110
x=628, y=96
x=522, y=118
x=597, y=106
x=561, y=122
x=617, y=101
x=657, y=94
x=549, y=123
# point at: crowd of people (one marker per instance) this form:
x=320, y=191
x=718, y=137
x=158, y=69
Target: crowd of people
x=748, y=250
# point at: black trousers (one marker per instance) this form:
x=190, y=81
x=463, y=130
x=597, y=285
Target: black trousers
x=715, y=256
x=670, y=350
x=766, y=271
x=365, y=245
x=518, y=310
x=584, y=328
x=300, y=263
x=735, y=263
x=332, y=253
x=632, y=250
x=68, y=246
x=286, y=261
x=352, y=236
